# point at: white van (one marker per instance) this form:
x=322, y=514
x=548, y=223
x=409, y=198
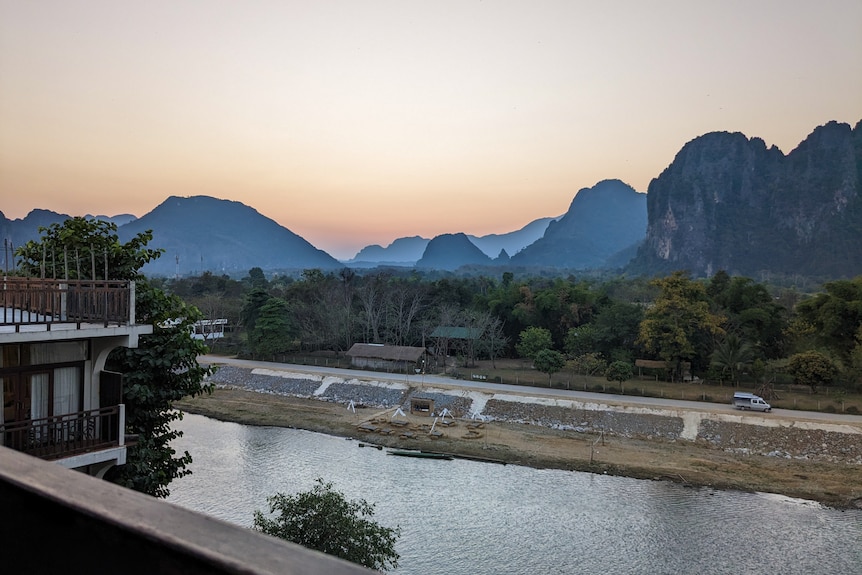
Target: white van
x=744, y=400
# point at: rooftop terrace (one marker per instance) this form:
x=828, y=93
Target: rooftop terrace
x=34, y=305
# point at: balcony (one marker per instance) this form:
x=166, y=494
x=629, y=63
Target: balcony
x=67, y=435
x=28, y=303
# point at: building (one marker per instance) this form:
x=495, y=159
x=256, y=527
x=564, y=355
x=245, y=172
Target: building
x=59, y=403
x=388, y=357
x=455, y=341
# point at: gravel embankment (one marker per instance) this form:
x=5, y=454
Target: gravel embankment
x=784, y=441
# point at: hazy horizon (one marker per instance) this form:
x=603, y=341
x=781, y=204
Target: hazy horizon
x=356, y=123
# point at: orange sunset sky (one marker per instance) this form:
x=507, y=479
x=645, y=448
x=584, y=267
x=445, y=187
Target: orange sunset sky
x=356, y=122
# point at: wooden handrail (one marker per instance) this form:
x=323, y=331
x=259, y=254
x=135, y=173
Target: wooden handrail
x=27, y=301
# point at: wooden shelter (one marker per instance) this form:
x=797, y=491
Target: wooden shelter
x=421, y=406
x=387, y=357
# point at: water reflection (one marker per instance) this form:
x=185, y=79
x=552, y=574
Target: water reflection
x=473, y=518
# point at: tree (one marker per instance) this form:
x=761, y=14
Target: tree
x=732, y=354
x=371, y=295
x=161, y=370
x=811, y=368
x=405, y=301
x=836, y=316
x=678, y=320
x=82, y=249
x=274, y=331
x=324, y=520
x=751, y=311
x=616, y=329
x=493, y=341
x=620, y=371
x=588, y=364
x=580, y=340
x=533, y=340
x=254, y=301
x=550, y=362
x=256, y=278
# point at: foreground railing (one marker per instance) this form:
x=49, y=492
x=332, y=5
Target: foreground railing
x=25, y=301
x=65, y=435
x=100, y=527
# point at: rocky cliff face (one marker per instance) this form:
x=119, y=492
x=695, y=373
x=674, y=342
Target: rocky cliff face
x=729, y=202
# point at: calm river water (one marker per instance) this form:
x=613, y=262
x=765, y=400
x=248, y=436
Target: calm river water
x=478, y=518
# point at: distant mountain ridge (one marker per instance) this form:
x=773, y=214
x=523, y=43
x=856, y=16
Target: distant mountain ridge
x=408, y=251
x=601, y=221
x=223, y=236
x=402, y=251
x=451, y=251
x=726, y=201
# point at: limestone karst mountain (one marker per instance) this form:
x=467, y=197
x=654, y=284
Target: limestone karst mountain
x=729, y=202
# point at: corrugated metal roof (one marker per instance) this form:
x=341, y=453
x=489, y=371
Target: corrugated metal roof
x=390, y=352
x=453, y=332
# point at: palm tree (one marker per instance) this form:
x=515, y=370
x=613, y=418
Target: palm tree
x=732, y=354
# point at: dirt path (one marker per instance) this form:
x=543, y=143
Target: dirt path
x=684, y=462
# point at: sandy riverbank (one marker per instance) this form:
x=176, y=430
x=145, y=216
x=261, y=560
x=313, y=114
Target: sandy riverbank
x=687, y=462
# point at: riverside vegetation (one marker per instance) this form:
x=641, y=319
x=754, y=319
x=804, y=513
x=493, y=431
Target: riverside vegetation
x=736, y=333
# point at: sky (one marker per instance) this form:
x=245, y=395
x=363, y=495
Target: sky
x=356, y=122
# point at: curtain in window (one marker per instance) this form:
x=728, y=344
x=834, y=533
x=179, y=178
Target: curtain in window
x=57, y=352
x=67, y=390
x=39, y=396
x=39, y=402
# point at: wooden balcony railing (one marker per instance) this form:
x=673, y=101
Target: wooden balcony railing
x=27, y=301
x=65, y=435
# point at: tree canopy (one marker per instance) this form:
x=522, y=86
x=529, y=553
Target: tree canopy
x=678, y=321
x=836, y=316
x=722, y=326
x=161, y=370
x=619, y=371
x=550, y=362
x=81, y=248
x=533, y=340
x=323, y=519
x=812, y=368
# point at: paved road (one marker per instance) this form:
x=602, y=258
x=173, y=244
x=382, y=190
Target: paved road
x=606, y=398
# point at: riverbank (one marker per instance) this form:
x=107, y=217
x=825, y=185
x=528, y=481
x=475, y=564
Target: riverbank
x=694, y=463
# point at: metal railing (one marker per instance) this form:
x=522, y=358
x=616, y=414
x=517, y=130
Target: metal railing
x=65, y=435
x=28, y=301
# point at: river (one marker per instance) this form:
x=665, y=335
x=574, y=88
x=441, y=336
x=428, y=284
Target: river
x=464, y=517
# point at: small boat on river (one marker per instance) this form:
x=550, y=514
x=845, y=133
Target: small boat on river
x=422, y=454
